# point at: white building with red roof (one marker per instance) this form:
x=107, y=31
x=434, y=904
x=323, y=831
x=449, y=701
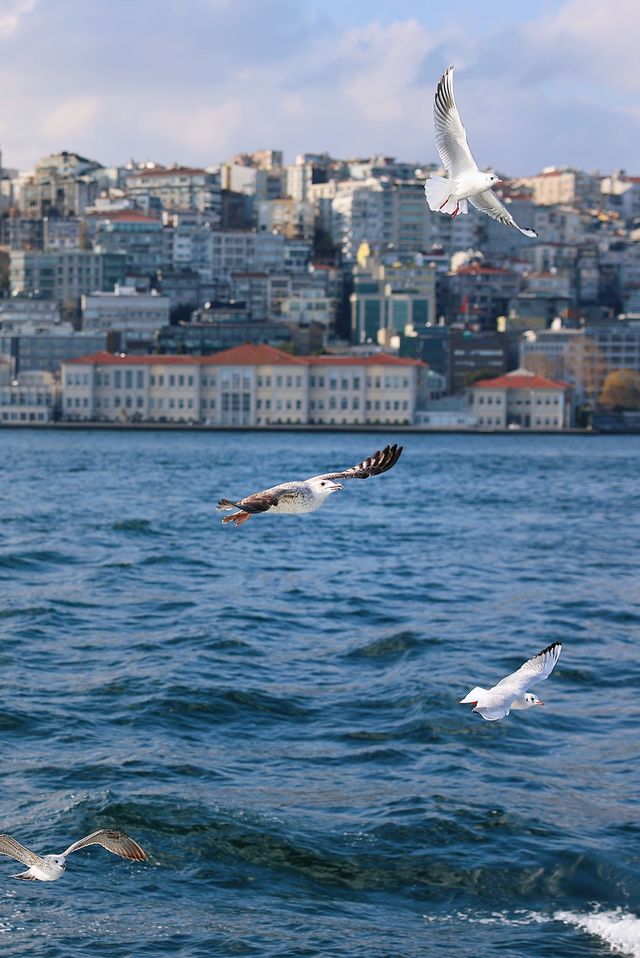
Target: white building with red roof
x=521, y=400
x=249, y=385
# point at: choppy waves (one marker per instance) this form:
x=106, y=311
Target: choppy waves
x=273, y=711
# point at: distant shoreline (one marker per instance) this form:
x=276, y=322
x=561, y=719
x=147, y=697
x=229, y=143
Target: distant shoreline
x=283, y=427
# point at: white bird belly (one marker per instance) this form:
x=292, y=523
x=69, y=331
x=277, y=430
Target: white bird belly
x=468, y=184
x=296, y=506
x=50, y=874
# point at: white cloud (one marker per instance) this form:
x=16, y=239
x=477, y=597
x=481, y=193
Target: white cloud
x=71, y=118
x=12, y=12
x=202, y=79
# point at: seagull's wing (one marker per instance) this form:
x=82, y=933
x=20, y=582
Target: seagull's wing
x=379, y=462
x=13, y=849
x=534, y=670
x=489, y=203
x=451, y=138
x=117, y=842
x=258, y=502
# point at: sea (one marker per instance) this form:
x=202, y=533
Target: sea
x=272, y=711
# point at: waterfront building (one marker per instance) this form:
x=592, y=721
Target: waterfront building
x=521, y=400
x=29, y=397
x=251, y=385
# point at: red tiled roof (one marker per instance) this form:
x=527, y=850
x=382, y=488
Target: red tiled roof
x=380, y=359
x=511, y=381
x=249, y=354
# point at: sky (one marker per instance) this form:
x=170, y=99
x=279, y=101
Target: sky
x=537, y=84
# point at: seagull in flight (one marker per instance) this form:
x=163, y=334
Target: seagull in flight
x=52, y=867
x=307, y=495
x=464, y=181
x=511, y=692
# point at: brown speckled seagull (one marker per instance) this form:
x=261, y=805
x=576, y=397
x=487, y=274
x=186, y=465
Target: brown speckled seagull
x=52, y=867
x=307, y=495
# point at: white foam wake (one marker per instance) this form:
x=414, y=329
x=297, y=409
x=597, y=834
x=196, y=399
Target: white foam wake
x=619, y=929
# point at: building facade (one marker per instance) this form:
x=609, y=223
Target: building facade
x=521, y=400
x=245, y=386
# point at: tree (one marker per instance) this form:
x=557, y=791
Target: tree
x=621, y=390
x=585, y=366
x=543, y=365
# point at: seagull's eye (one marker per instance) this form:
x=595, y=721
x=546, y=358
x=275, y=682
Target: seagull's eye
x=323, y=483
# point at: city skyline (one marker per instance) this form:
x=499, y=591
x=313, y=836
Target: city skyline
x=198, y=83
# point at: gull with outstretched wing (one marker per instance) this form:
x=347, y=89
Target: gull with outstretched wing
x=52, y=867
x=307, y=495
x=511, y=693
x=464, y=181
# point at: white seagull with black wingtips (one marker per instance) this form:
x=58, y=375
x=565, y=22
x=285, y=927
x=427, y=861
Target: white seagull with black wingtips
x=52, y=867
x=511, y=693
x=464, y=181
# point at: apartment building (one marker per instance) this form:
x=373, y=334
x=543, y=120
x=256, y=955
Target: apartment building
x=124, y=308
x=249, y=385
x=176, y=188
x=64, y=276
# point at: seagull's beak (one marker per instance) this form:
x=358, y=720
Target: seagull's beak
x=539, y=702
x=336, y=486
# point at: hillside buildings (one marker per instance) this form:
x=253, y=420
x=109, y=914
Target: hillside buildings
x=320, y=256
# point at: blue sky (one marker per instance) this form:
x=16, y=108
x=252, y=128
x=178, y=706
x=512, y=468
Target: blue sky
x=195, y=81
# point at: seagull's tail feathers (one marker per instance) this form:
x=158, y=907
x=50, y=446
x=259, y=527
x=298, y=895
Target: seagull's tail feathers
x=226, y=504
x=25, y=876
x=473, y=696
x=437, y=190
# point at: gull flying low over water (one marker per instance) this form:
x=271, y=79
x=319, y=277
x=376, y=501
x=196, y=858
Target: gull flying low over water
x=464, y=181
x=511, y=692
x=52, y=867
x=307, y=495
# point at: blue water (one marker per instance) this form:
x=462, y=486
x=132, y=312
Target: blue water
x=272, y=711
